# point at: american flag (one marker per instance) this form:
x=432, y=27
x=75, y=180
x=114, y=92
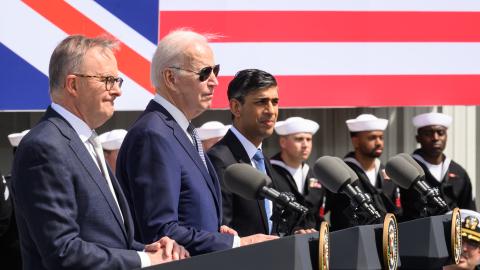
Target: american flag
x=324, y=53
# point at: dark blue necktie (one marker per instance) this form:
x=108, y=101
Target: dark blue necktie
x=260, y=164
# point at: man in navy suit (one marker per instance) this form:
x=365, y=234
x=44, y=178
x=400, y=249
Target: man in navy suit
x=71, y=211
x=169, y=182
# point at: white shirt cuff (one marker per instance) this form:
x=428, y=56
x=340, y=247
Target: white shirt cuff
x=236, y=241
x=144, y=259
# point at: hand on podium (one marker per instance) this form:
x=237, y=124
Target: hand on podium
x=256, y=238
x=227, y=230
x=305, y=231
x=165, y=250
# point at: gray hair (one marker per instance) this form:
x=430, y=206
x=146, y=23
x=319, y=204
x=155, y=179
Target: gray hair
x=171, y=50
x=68, y=56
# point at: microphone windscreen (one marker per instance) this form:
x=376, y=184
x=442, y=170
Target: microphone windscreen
x=351, y=172
x=243, y=179
x=412, y=161
x=331, y=173
x=402, y=171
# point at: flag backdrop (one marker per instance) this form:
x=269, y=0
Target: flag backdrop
x=326, y=53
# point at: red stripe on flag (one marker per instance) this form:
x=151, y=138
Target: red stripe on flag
x=327, y=26
x=371, y=90
x=72, y=21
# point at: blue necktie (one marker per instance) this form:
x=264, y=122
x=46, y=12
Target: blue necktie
x=260, y=164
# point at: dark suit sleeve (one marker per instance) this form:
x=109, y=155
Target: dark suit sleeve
x=227, y=196
x=45, y=195
x=154, y=185
x=5, y=206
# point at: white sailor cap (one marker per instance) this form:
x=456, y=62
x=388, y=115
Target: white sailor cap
x=294, y=125
x=432, y=119
x=112, y=140
x=212, y=129
x=366, y=122
x=470, y=224
x=15, y=138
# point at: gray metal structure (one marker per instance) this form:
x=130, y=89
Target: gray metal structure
x=332, y=139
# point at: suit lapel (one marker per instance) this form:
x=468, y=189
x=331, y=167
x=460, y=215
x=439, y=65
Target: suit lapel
x=86, y=160
x=181, y=137
x=241, y=156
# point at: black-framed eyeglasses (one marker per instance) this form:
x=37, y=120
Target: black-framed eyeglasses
x=204, y=73
x=108, y=80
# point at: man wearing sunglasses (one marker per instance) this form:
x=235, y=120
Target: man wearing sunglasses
x=71, y=211
x=441, y=172
x=170, y=183
x=470, y=257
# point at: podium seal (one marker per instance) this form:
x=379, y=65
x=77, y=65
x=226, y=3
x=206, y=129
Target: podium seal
x=456, y=235
x=324, y=247
x=390, y=242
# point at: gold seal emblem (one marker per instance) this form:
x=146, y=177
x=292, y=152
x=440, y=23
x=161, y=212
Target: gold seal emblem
x=324, y=247
x=390, y=242
x=456, y=234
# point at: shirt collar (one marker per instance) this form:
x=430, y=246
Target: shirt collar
x=247, y=145
x=80, y=127
x=177, y=115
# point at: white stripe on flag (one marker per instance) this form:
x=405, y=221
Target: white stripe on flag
x=327, y=5
x=346, y=58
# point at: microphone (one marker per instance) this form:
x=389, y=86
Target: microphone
x=251, y=184
x=337, y=177
x=406, y=172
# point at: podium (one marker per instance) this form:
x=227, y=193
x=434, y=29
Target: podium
x=353, y=248
x=296, y=252
x=430, y=242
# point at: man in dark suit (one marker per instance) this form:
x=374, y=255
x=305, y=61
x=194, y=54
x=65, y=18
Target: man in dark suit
x=253, y=98
x=170, y=184
x=71, y=211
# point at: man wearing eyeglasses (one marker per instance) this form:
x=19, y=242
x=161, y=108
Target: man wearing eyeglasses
x=71, y=211
x=170, y=183
x=441, y=172
x=470, y=257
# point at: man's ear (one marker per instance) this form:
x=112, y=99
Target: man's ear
x=355, y=142
x=282, y=141
x=235, y=107
x=417, y=138
x=71, y=85
x=169, y=78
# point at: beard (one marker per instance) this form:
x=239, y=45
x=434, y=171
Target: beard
x=374, y=153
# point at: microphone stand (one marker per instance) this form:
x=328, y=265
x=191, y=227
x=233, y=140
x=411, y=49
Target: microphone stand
x=363, y=211
x=287, y=218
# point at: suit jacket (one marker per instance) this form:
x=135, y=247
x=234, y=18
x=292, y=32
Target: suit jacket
x=168, y=188
x=9, y=243
x=66, y=214
x=311, y=197
x=247, y=217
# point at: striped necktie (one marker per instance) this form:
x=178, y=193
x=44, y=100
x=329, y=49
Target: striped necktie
x=197, y=143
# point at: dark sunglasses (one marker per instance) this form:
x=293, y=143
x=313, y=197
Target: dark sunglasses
x=204, y=73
